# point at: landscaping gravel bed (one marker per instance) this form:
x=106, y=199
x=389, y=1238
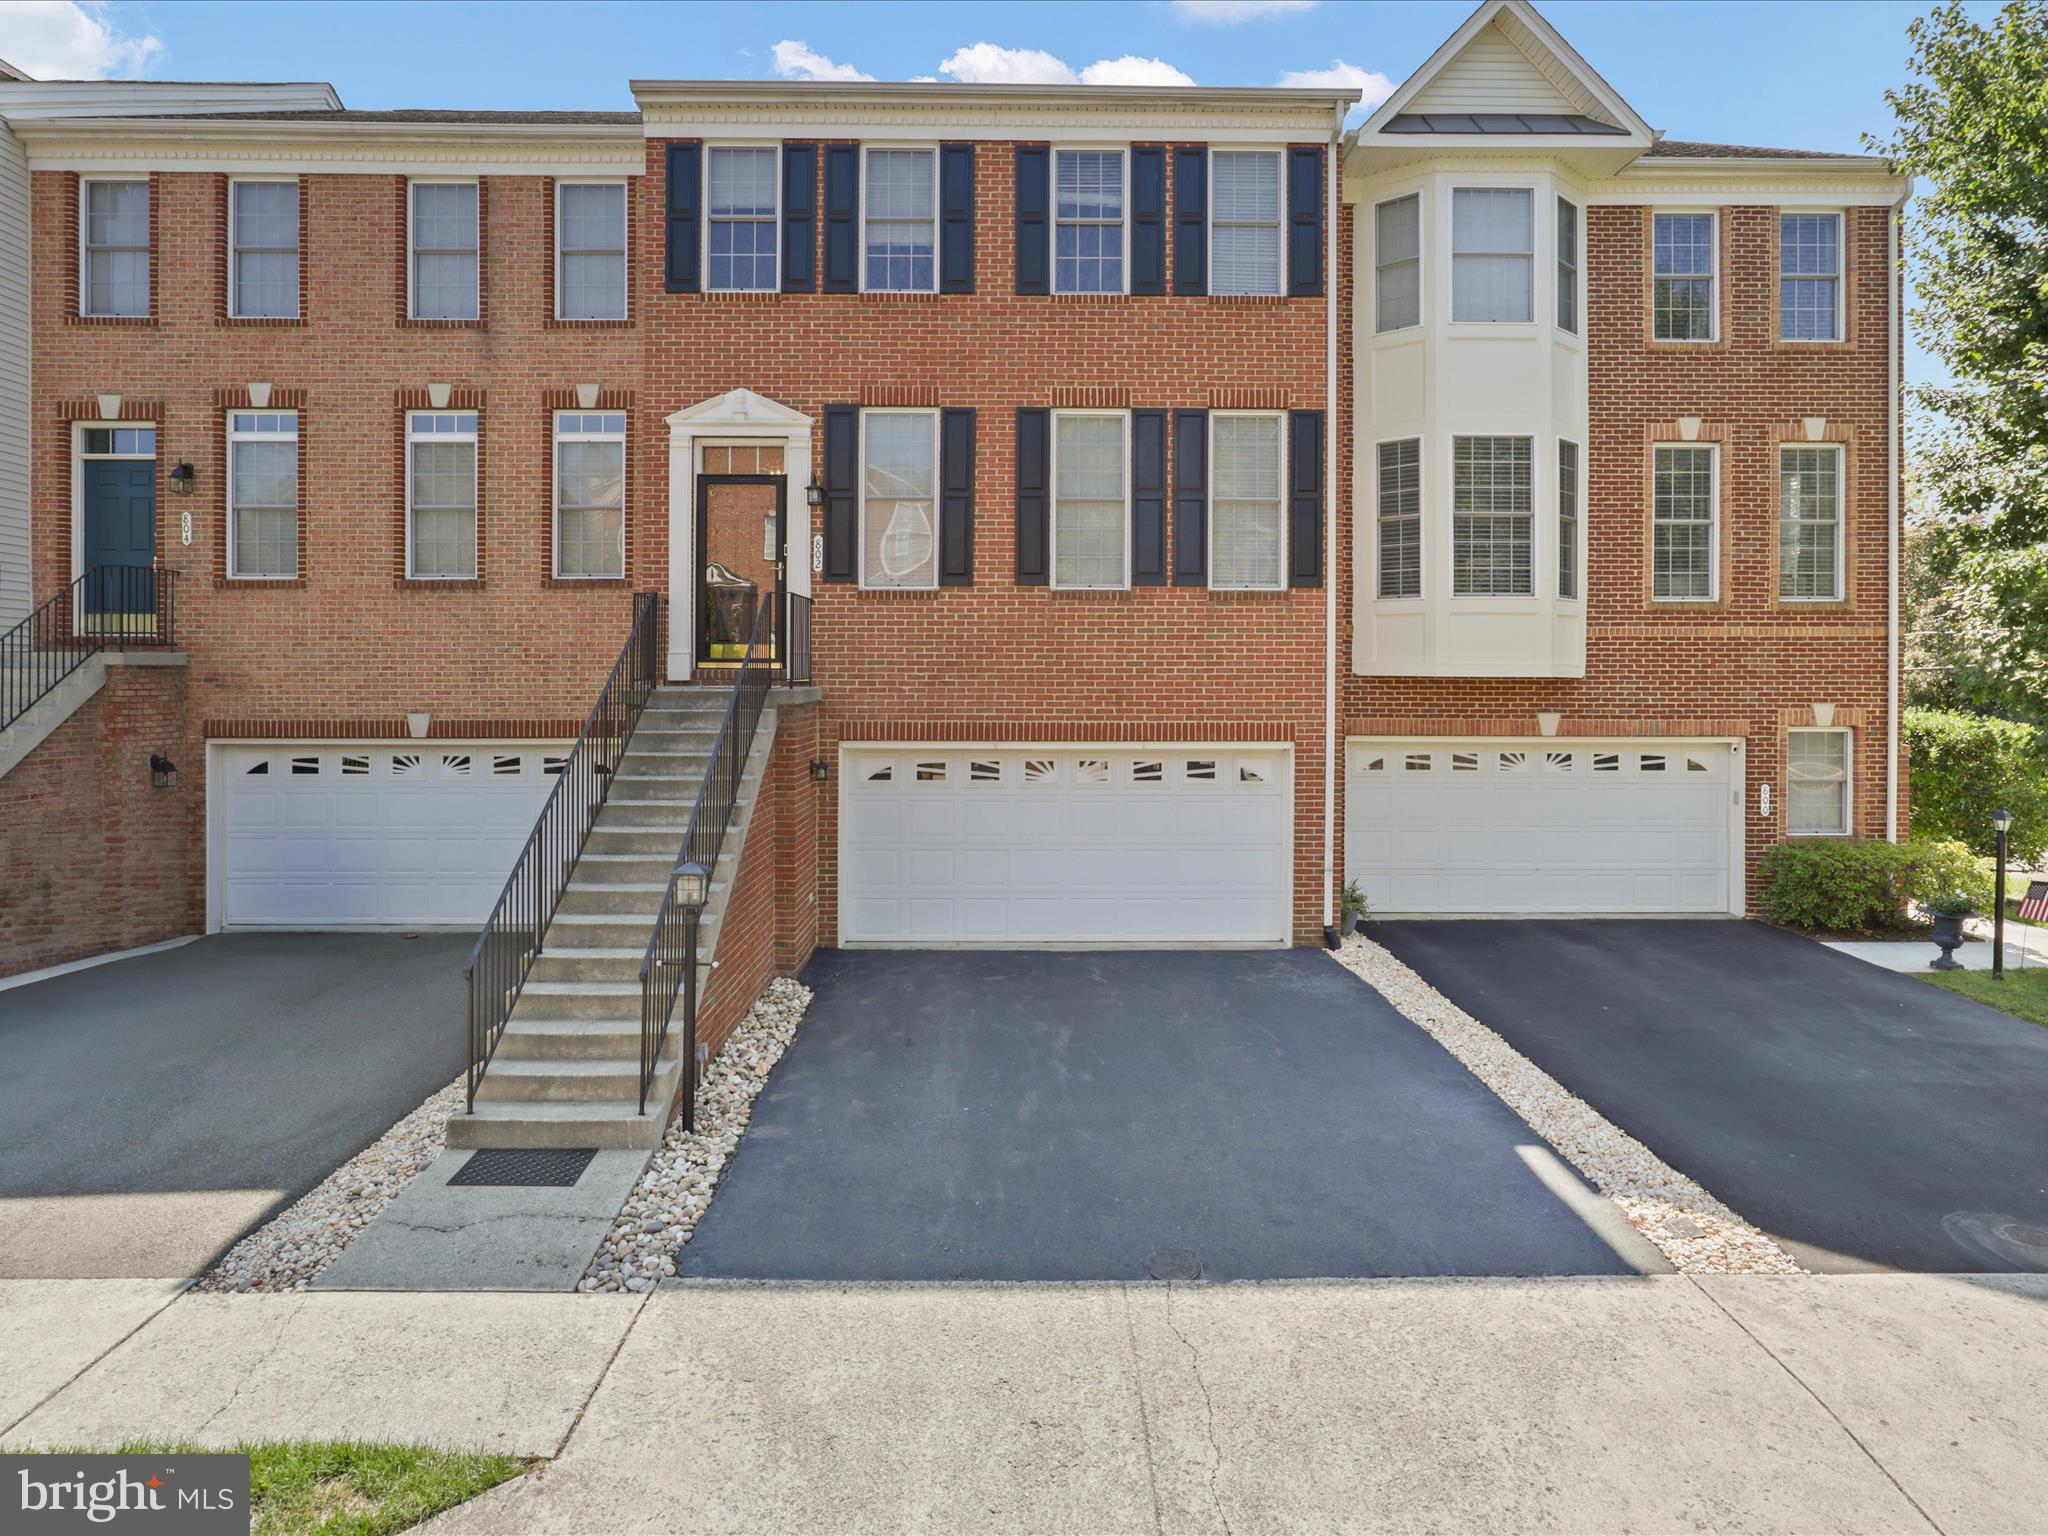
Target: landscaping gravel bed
x=664, y=1207
x=1696, y=1232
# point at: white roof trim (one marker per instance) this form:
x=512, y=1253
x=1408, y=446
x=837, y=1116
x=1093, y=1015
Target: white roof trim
x=32, y=100
x=362, y=148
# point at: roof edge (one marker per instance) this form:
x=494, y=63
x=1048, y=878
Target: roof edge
x=934, y=92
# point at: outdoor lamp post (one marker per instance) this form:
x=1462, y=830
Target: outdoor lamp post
x=693, y=886
x=2002, y=820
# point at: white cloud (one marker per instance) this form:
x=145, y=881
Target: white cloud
x=987, y=64
x=1228, y=13
x=797, y=61
x=73, y=40
x=1374, y=86
x=1132, y=70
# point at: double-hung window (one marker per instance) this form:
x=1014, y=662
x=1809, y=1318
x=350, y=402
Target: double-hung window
x=901, y=226
x=1682, y=277
x=1817, y=774
x=1247, y=533
x=1400, y=518
x=1244, y=221
x=440, y=495
x=1397, y=263
x=590, y=494
x=1088, y=194
x=1091, y=508
x=1493, y=246
x=1682, y=501
x=590, y=250
x=263, y=495
x=1567, y=266
x=1810, y=523
x=741, y=218
x=114, y=276
x=1809, y=276
x=1492, y=516
x=899, y=499
x=1567, y=519
x=445, y=251
x=263, y=258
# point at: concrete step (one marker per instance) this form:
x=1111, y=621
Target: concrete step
x=660, y=758
x=589, y=898
x=599, y=930
x=580, y=1000
x=679, y=787
x=536, y=1039
x=577, y=1082
x=605, y=867
x=595, y=1123
x=661, y=842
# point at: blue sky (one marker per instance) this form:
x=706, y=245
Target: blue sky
x=1773, y=72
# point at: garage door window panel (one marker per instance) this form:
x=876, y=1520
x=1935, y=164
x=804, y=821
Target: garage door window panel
x=1492, y=516
x=899, y=545
x=1684, y=497
x=1091, y=500
x=1818, y=767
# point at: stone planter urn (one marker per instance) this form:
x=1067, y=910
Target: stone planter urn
x=1948, y=933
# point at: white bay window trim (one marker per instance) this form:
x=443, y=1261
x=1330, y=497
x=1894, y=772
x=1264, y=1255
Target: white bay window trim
x=589, y=427
x=564, y=250
x=1397, y=278
x=473, y=249
x=1493, y=255
x=869, y=279
x=437, y=429
x=1248, y=509
x=1061, y=154
x=1122, y=499
x=1820, y=771
x=1258, y=284
x=913, y=574
x=1496, y=541
x=772, y=220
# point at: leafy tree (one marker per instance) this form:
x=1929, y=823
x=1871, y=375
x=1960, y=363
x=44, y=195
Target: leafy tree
x=1967, y=766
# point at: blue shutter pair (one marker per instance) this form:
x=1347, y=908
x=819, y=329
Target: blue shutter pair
x=956, y=495
x=1147, y=211
x=1191, y=498
x=1034, y=497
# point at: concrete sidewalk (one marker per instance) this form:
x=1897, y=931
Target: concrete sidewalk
x=1850, y=1403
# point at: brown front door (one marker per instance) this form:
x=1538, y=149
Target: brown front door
x=740, y=531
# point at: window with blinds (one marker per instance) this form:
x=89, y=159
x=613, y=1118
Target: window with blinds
x=1493, y=243
x=440, y=502
x=115, y=276
x=1244, y=221
x=1397, y=257
x=1682, y=277
x=1090, y=499
x=590, y=250
x=1088, y=254
x=590, y=494
x=899, y=493
x=263, y=494
x=1809, y=276
x=1817, y=782
x=1492, y=516
x=1246, y=527
x=1400, y=518
x=901, y=221
x=1567, y=266
x=263, y=266
x=444, y=251
x=740, y=199
x=1682, y=523
x=1810, y=523
x=1567, y=519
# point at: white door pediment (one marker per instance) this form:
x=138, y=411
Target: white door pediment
x=738, y=410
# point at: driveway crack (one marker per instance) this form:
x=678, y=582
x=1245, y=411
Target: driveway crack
x=1144, y=1419
x=1208, y=1411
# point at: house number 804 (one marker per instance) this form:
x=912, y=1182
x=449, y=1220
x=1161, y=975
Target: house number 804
x=185, y=527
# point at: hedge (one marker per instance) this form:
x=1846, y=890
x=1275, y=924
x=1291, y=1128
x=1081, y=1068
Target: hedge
x=1964, y=767
x=1848, y=885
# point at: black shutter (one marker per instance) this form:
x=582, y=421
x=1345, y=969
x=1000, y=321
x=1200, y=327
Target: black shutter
x=1034, y=218
x=842, y=469
x=799, y=218
x=956, y=218
x=1305, y=499
x=1305, y=220
x=1191, y=219
x=685, y=173
x=956, y=498
x=1148, y=219
x=1034, y=495
x=842, y=218
x=1190, y=498
x=1148, y=498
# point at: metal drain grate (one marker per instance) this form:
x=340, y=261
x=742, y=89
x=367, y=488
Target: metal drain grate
x=535, y=1166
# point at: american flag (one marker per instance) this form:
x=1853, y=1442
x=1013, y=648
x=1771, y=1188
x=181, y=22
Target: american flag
x=2034, y=907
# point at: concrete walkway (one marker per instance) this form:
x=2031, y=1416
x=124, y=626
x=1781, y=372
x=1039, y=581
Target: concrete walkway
x=1865, y=1403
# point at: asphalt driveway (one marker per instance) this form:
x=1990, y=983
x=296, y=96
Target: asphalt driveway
x=1068, y=1116
x=152, y=1110
x=1864, y=1119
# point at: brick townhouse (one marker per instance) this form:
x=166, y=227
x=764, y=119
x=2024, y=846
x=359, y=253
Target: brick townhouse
x=1170, y=505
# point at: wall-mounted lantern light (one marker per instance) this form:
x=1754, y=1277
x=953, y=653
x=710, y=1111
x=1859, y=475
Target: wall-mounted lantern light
x=820, y=770
x=163, y=773
x=182, y=476
x=814, y=493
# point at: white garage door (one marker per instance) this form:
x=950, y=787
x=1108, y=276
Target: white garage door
x=313, y=836
x=1515, y=827
x=1066, y=846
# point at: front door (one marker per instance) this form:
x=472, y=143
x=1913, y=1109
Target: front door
x=740, y=534
x=120, y=535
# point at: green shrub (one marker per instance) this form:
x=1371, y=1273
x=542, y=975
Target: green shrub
x=1964, y=767
x=1848, y=885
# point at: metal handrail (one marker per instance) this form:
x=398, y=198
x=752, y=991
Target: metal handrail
x=670, y=960
x=110, y=605
x=511, y=938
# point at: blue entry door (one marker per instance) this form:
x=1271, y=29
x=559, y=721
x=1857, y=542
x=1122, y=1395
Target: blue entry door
x=120, y=530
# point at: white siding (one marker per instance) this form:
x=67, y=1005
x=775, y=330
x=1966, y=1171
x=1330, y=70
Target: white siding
x=14, y=382
x=1490, y=74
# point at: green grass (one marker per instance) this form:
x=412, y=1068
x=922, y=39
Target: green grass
x=348, y=1488
x=2023, y=994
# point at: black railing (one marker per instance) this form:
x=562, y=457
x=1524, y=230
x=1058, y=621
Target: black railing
x=109, y=607
x=796, y=645
x=506, y=949
x=670, y=963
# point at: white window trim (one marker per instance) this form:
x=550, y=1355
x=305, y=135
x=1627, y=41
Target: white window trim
x=1841, y=592
x=1713, y=523
x=1537, y=543
x=937, y=216
x=412, y=250
x=557, y=438
x=1052, y=495
x=1279, y=420
x=1579, y=543
x=235, y=185
x=1577, y=329
x=1422, y=540
x=1421, y=259
x=1451, y=254
x=860, y=525
x=474, y=438
x=1279, y=154
x=1123, y=154
x=1841, y=275
x=85, y=247
x=1848, y=826
x=775, y=220
x=625, y=246
x=1713, y=216
x=228, y=511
